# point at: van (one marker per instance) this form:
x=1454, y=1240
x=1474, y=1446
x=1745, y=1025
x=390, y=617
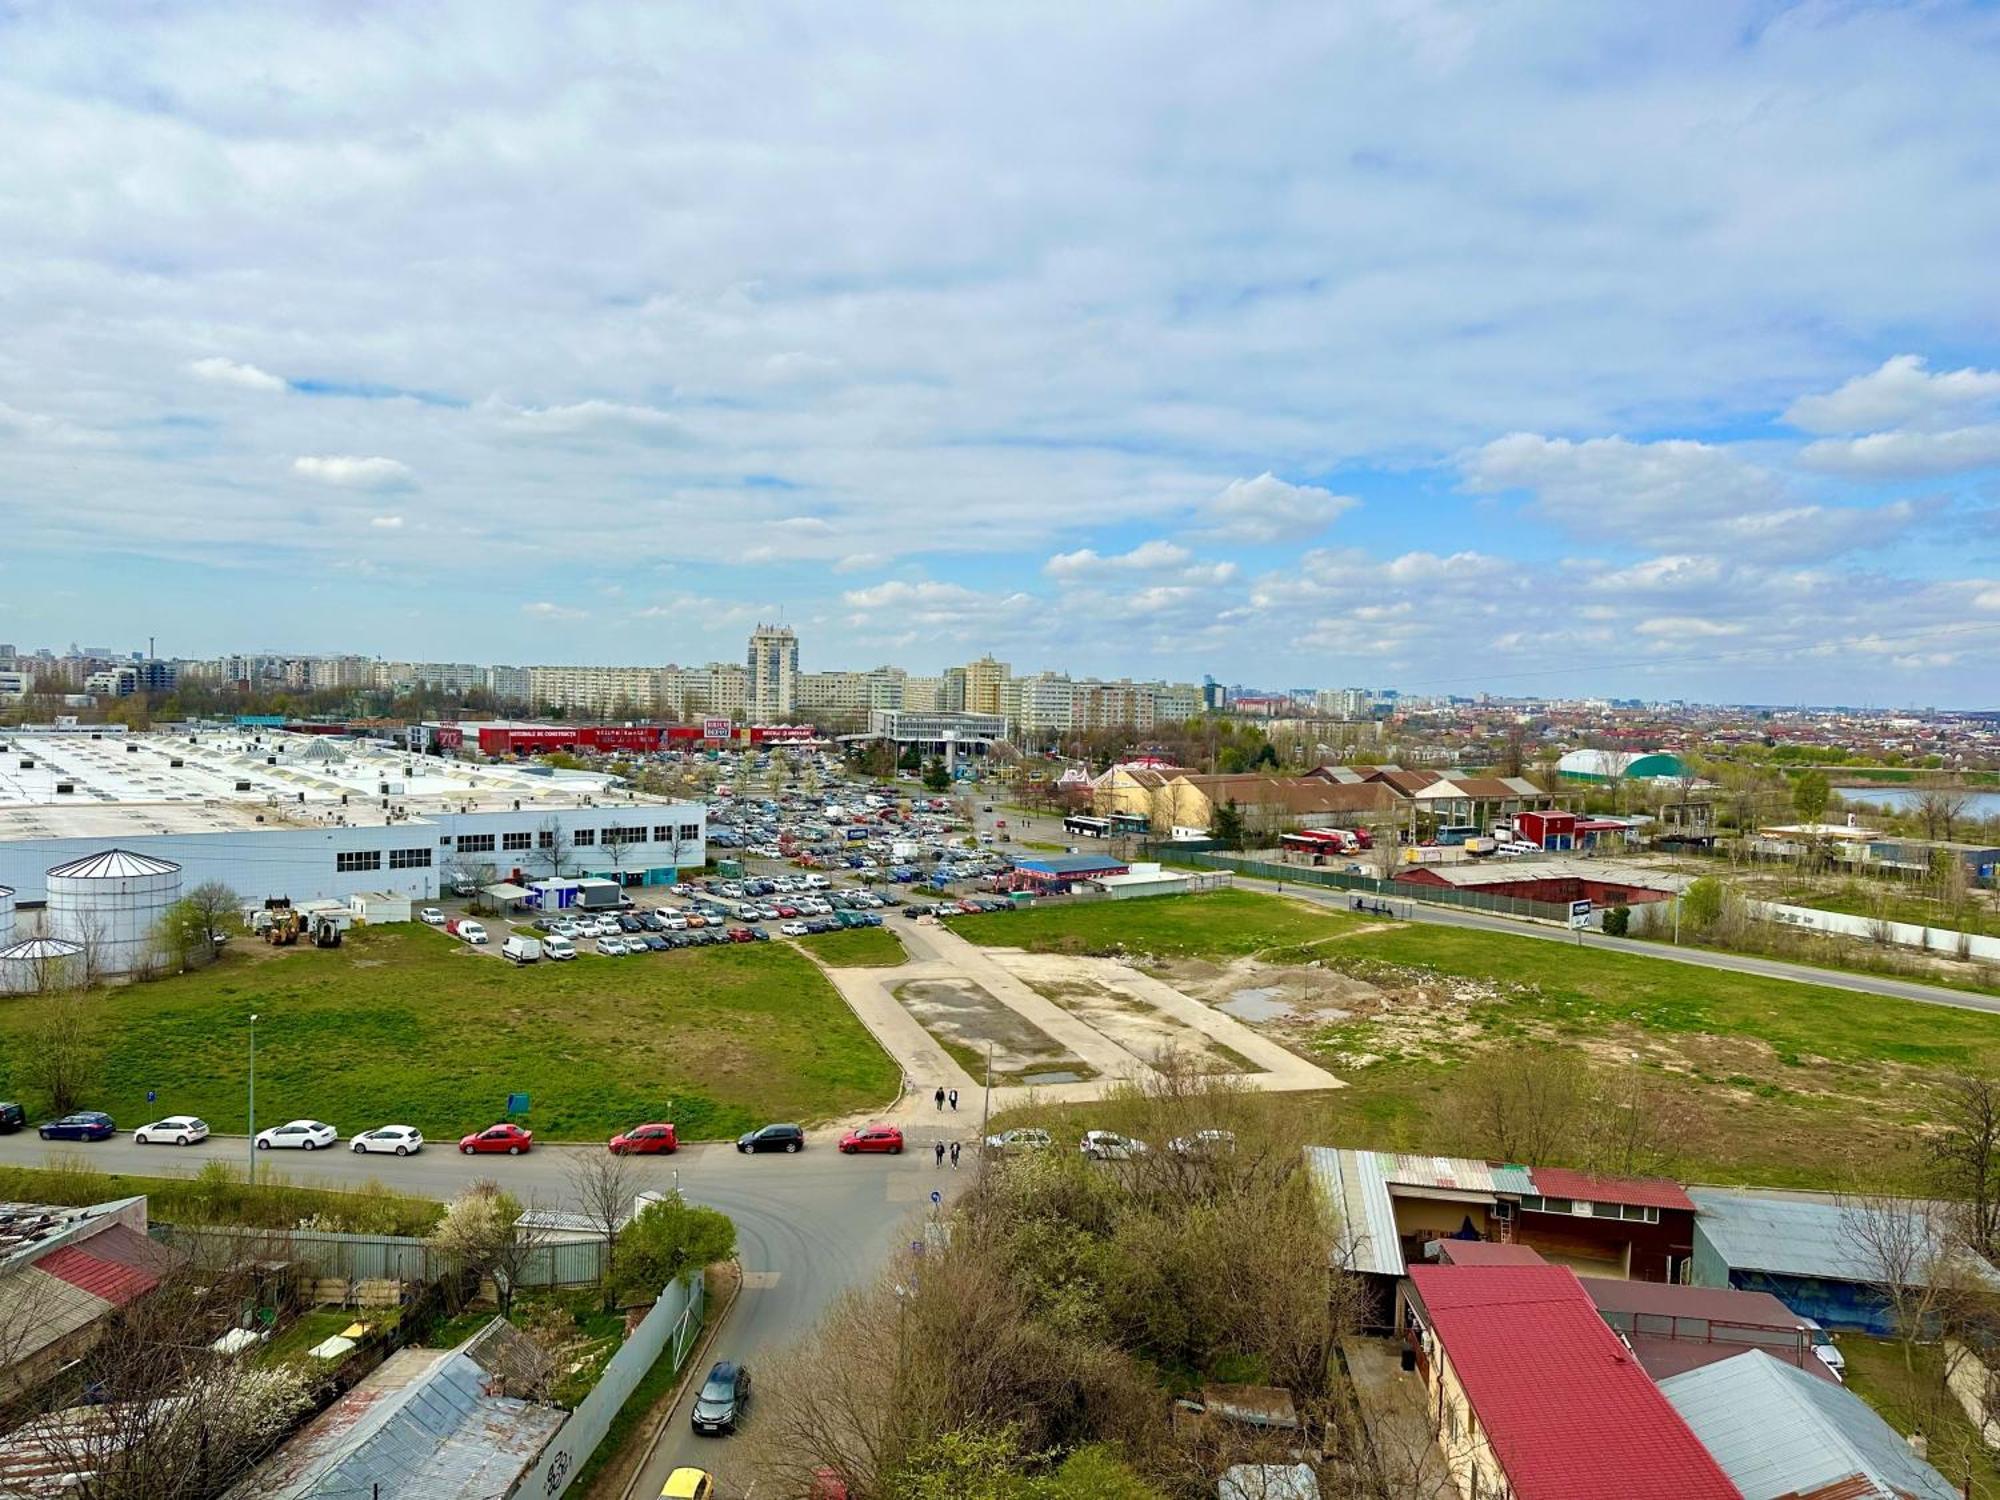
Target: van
x=467, y=929
x=817, y=882
x=558, y=948
x=521, y=950
x=12, y=1117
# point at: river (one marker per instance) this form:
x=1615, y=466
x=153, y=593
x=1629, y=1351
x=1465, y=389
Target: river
x=1978, y=805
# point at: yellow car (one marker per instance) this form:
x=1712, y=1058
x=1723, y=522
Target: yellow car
x=689, y=1484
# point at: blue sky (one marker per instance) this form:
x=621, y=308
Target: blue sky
x=1568, y=348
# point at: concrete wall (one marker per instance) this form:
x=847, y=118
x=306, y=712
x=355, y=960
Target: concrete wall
x=674, y=1322
x=1904, y=934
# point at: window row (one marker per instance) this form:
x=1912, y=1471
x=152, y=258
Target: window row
x=581, y=838
x=1637, y=1213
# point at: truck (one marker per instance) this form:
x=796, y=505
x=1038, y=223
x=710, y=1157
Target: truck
x=521, y=950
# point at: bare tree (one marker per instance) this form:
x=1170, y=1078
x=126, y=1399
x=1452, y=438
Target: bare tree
x=1524, y=1103
x=1939, y=805
x=1965, y=1156
x=62, y=1053
x=602, y=1187
x=552, y=846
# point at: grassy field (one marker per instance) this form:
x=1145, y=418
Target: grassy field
x=1219, y=924
x=1761, y=1080
x=1914, y=1400
x=404, y=1024
x=856, y=948
x=1895, y=905
x=220, y=1196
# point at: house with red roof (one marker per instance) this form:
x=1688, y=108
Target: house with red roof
x=1533, y=1397
x=63, y=1272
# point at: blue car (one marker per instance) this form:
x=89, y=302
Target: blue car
x=87, y=1125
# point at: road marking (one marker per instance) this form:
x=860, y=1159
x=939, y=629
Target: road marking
x=760, y=1281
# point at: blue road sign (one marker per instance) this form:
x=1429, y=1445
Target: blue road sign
x=152, y=1096
x=517, y=1104
x=936, y=1197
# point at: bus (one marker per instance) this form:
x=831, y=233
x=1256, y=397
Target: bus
x=1136, y=824
x=1087, y=827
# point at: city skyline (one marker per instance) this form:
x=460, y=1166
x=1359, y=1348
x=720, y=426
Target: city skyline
x=1314, y=346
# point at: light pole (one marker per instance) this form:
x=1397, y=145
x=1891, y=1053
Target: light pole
x=253, y=1098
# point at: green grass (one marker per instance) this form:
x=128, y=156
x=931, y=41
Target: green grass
x=403, y=1024
x=1914, y=1400
x=449, y=1333
x=1218, y=924
x=1894, y=905
x=220, y=1196
x=311, y=1328
x=653, y=1387
x=856, y=948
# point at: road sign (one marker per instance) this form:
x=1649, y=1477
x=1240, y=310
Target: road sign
x=517, y=1104
x=1579, y=914
x=152, y=1096
x=936, y=1197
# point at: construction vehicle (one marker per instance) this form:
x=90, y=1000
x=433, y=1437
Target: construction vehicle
x=325, y=932
x=281, y=924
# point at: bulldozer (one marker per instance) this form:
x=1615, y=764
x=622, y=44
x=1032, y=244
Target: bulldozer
x=282, y=925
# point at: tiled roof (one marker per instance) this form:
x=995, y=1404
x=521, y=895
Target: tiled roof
x=117, y=1264
x=1640, y=1192
x=1568, y=1410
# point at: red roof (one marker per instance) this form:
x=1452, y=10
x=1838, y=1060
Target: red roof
x=1487, y=1253
x=1642, y=1192
x=1568, y=1410
x=107, y=1265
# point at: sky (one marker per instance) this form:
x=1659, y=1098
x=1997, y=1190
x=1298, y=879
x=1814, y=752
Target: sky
x=1554, y=348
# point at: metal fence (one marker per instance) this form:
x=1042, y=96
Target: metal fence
x=1261, y=869
x=378, y=1257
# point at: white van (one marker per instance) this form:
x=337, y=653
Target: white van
x=558, y=948
x=521, y=950
x=817, y=882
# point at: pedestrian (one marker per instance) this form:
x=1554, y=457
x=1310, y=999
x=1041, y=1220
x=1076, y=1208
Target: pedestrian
x=953, y=1096
x=954, y=1156
x=940, y=1153
x=940, y=1096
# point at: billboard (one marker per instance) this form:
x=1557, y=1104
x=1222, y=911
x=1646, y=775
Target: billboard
x=718, y=729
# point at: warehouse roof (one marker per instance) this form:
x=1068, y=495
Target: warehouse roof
x=1790, y=1236
x=1777, y=1431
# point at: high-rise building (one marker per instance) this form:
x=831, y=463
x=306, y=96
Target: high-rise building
x=774, y=673
x=1038, y=704
x=923, y=695
x=599, y=692
x=982, y=685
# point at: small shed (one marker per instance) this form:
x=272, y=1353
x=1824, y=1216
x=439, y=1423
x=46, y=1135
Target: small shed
x=371, y=907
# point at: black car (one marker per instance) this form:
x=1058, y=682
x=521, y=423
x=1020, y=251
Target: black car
x=12, y=1117
x=657, y=943
x=679, y=940
x=758, y=934
x=651, y=922
x=631, y=923
x=773, y=1138
x=915, y=911
x=86, y=1125
x=724, y=1398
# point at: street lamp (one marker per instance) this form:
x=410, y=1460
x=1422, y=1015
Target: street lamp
x=253, y=1097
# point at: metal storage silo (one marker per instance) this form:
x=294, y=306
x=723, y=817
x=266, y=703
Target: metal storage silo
x=6, y=915
x=110, y=904
x=28, y=965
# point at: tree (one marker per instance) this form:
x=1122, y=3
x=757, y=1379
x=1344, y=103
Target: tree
x=1964, y=1156
x=214, y=902
x=552, y=845
x=1524, y=1103
x=485, y=1232
x=601, y=1185
x=1226, y=825
x=936, y=777
x=1939, y=806
x=62, y=1053
x=1810, y=795
x=1701, y=904
x=181, y=935
x=669, y=1238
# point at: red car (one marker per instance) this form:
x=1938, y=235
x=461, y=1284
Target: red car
x=742, y=935
x=646, y=1140
x=786, y=910
x=873, y=1138
x=511, y=1139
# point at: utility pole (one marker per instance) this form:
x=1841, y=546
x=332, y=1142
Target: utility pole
x=253, y=1098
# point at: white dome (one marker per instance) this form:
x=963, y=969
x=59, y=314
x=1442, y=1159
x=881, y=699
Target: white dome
x=114, y=864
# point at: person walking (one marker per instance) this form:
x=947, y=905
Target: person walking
x=953, y=1096
x=940, y=1153
x=940, y=1096
x=954, y=1156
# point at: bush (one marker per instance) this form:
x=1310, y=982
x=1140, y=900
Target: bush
x=1618, y=921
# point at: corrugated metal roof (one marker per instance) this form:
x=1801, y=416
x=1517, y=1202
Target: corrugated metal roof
x=1777, y=1431
x=30, y=949
x=1354, y=1189
x=1643, y=1192
x=1787, y=1236
x=113, y=864
x=37, y=1309
x=1457, y=1172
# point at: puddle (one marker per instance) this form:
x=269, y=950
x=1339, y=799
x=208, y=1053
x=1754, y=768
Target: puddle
x=1255, y=1005
x=1057, y=1077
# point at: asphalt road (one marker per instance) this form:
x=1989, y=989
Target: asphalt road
x=807, y=1226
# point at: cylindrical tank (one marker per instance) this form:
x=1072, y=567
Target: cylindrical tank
x=36, y=963
x=6, y=915
x=110, y=905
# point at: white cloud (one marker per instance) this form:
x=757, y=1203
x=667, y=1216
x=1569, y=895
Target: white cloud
x=1268, y=509
x=1685, y=626
x=1901, y=392
x=1906, y=455
x=1144, y=558
x=229, y=372
x=542, y=609
x=386, y=523
x=353, y=473
x=579, y=417
x=38, y=427
x=896, y=594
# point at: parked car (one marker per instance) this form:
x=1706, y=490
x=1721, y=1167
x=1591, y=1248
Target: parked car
x=1020, y=1138
x=655, y=942
x=558, y=948
x=511, y=1139
x=297, y=1135
x=794, y=929
x=773, y=1138
x=392, y=1140
x=760, y=935
x=656, y=1139
x=1109, y=1145
x=873, y=1138
x=723, y=1398
x=521, y=950
x=182, y=1130
x=689, y=1484
x=611, y=947
x=85, y=1125
x=1828, y=1351
x=1204, y=1143
x=12, y=1117
x=742, y=935
x=467, y=930
x=431, y=915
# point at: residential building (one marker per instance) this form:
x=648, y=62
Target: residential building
x=923, y=695
x=1040, y=704
x=1344, y=703
x=1533, y=1397
x=595, y=692
x=982, y=685
x=850, y=692
x=509, y=684
x=1174, y=702
x=951, y=691
x=720, y=689
x=773, y=664
x=1114, y=705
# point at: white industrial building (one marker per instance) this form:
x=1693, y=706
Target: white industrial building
x=309, y=817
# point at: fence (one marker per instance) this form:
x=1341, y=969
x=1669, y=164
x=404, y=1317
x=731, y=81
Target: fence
x=1261, y=869
x=672, y=1325
x=372, y=1257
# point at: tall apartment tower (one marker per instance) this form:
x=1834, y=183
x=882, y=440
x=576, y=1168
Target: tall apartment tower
x=982, y=685
x=774, y=673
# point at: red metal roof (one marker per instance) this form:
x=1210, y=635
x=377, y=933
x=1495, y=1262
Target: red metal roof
x=1487, y=1253
x=117, y=1263
x=1570, y=1413
x=1642, y=1192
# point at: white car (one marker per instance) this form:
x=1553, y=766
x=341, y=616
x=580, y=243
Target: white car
x=1021, y=1138
x=793, y=929
x=1827, y=1350
x=432, y=916
x=297, y=1135
x=611, y=947
x=1204, y=1143
x=1108, y=1145
x=472, y=932
x=564, y=929
x=392, y=1140
x=182, y=1130
x=675, y=921
x=558, y=948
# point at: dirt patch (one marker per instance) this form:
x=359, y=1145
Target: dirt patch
x=967, y=1021
x=1142, y=1029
